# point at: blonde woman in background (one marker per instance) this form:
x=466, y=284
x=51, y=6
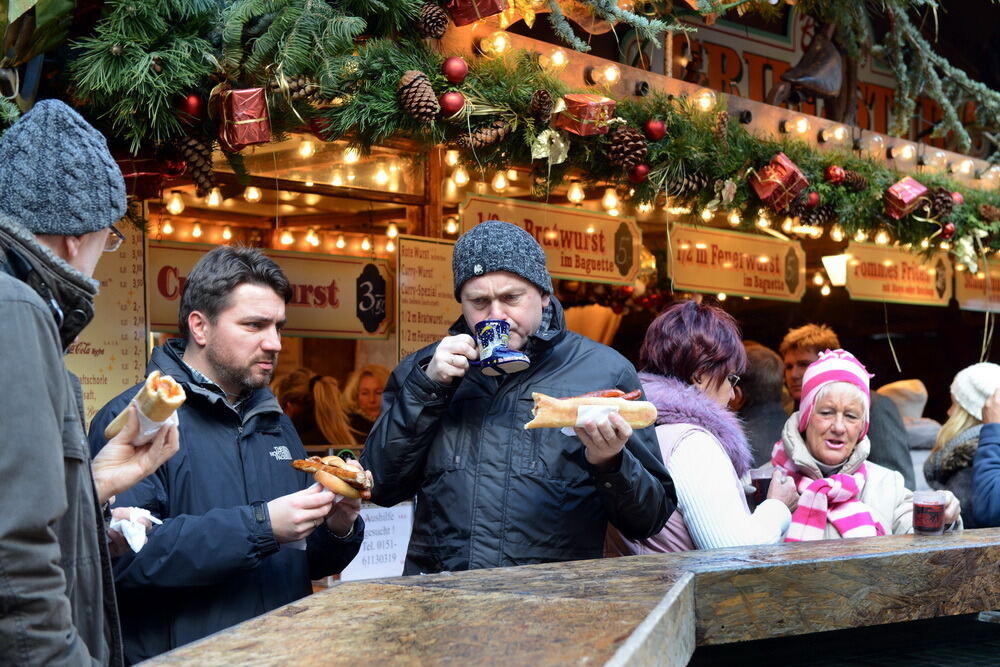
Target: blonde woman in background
x=363, y=397
x=949, y=465
x=314, y=404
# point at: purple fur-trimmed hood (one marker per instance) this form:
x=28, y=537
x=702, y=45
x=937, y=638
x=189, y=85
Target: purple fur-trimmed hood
x=679, y=403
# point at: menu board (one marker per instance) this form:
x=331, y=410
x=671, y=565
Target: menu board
x=109, y=356
x=980, y=289
x=895, y=275
x=387, y=535
x=427, y=306
x=704, y=259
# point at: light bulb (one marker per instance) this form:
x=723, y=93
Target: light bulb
x=392, y=231
x=612, y=211
x=175, y=204
x=495, y=44
x=707, y=214
x=451, y=157
x=287, y=238
x=962, y=167
x=312, y=238
x=554, y=61
x=860, y=237
x=499, y=183
x=390, y=246
x=608, y=75
x=882, y=238
x=366, y=244
x=960, y=267
x=451, y=226
x=306, y=148
x=818, y=279
x=872, y=145
x=341, y=242
x=762, y=221
x=351, y=155
x=575, y=193
x=837, y=233
x=196, y=230
x=925, y=244
x=308, y=183
x=721, y=296
x=460, y=176
x=610, y=199
x=337, y=179
x=252, y=194
x=734, y=218
x=227, y=233
x=837, y=133
x=902, y=152
x=214, y=197
x=167, y=227
x=512, y=175
x=704, y=99
x=787, y=225
x=644, y=207
x=381, y=175
x=798, y=125
x=945, y=245
x=825, y=290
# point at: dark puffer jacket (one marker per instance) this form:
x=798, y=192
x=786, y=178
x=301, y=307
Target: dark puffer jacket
x=214, y=562
x=490, y=493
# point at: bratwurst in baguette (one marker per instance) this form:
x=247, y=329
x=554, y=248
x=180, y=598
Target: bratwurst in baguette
x=333, y=473
x=552, y=412
x=158, y=398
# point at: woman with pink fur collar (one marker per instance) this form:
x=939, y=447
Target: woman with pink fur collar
x=824, y=449
x=690, y=361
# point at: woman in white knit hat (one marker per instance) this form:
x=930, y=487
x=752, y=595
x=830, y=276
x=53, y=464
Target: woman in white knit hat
x=949, y=465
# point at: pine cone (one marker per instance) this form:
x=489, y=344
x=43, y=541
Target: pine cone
x=722, y=127
x=300, y=87
x=798, y=208
x=541, y=106
x=484, y=137
x=433, y=21
x=628, y=147
x=941, y=203
x=688, y=185
x=820, y=216
x=417, y=97
x=854, y=181
x=989, y=213
x=198, y=154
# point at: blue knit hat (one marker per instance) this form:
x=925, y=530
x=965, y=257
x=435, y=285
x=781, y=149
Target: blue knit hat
x=499, y=246
x=57, y=175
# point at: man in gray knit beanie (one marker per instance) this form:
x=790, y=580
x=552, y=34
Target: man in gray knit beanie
x=60, y=194
x=489, y=492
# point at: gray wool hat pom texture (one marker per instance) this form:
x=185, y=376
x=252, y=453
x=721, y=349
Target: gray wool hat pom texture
x=494, y=245
x=57, y=175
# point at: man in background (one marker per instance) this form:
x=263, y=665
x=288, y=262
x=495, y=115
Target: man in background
x=758, y=400
x=889, y=445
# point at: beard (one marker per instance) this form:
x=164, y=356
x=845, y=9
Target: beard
x=229, y=371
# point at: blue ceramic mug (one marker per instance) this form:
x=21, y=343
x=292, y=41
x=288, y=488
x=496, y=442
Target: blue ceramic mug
x=495, y=358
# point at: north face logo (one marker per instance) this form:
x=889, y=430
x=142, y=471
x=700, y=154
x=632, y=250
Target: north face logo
x=281, y=453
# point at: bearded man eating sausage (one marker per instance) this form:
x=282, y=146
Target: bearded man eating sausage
x=490, y=493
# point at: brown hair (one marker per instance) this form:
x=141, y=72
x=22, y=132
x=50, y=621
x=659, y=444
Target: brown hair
x=814, y=337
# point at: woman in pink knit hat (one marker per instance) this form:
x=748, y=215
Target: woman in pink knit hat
x=824, y=448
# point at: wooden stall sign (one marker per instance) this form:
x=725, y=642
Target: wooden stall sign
x=578, y=244
x=704, y=259
x=895, y=275
x=426, y=292
x=980, y=289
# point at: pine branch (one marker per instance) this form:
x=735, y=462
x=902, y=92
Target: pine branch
x=562, y=28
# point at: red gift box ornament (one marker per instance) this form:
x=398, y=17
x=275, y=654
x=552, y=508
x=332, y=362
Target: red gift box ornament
x=243, y=119
x=903, y=197
x=464, y=12
x=779, y=182
x=585, y=114
x=143, y=177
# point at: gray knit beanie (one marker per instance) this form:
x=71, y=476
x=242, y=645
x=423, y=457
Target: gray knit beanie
x=57, y=175
x=499, y=246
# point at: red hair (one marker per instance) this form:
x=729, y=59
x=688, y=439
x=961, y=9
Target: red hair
x=691, y=339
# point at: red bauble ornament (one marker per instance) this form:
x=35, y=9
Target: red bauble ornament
x=655, y=129
x=834, y=174
x=173, y=168
x=947, y=230
x=628, y=290
x=812, y=200
x=639, y=173
x=455, y=69
x=192, y=109
x=451, y=103
x=958, y=198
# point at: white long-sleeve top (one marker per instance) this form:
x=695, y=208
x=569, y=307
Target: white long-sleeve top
x=711, y=498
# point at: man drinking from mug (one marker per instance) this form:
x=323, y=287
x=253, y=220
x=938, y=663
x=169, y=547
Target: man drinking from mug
x=490, y=493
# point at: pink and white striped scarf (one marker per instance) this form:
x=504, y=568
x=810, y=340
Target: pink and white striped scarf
x=833, y=499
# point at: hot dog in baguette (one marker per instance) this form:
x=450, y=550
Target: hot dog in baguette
x=157, y=399
x=552, y=412
x=333, y=473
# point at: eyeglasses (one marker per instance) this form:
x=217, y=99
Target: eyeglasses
x=733, y=379
x=114, y=240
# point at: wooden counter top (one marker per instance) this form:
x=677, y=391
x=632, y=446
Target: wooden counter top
x=642, y=609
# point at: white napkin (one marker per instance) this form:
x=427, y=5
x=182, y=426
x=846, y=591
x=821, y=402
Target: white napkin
x=148, y=428
x=589, y=412
x=131, y=528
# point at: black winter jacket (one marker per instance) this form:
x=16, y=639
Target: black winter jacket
x=214, y=562
x=490, y=493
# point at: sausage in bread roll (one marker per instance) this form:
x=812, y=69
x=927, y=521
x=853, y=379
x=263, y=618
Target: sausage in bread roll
x=333, y=473
x=158, y=398
x=552, y=412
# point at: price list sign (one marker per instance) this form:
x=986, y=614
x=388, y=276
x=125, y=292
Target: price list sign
x=109, y=356
x=427, y=305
